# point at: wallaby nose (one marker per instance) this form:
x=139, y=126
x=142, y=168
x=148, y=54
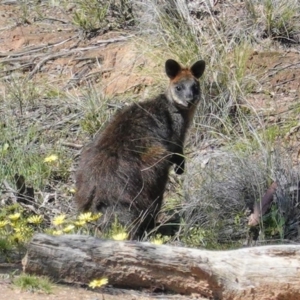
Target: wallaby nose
x=189, y=96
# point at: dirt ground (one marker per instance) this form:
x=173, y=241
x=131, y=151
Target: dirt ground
x=75, y=292
x=62, y=292
x=59, y=293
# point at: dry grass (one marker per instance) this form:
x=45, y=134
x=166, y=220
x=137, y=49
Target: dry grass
x=56, y=115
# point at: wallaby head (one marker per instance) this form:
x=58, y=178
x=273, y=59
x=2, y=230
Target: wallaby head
x=184, y=87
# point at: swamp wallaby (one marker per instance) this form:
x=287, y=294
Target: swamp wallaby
x=124, y=171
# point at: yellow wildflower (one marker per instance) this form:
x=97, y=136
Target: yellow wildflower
x=23, y=230
x=58, y=220
x=72, y=191
x=157, y=241
x=4, y=148
x=87, y=217
x=3, y=223
x=68, y=228
x=35, y=219
x=57, y=232
x=95, y=217
x=98, y=282
x=18, y=237
x=14, y=217
x=51, y=158
x=80, y=223
x=120, y=236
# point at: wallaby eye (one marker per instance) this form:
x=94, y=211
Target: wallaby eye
x=196, y=88
x=178, y=88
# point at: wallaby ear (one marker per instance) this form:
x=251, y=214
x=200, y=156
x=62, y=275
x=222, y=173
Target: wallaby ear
x=198, y=68
x=172, y=68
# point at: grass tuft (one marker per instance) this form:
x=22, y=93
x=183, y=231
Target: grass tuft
x=33, y=283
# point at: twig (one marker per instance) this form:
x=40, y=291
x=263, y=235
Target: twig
x=92, y=74
x=57, y=20
x=117, y=106
x=46, y=127
x=284, y=82
x=286, y=67
x=87, y=77
x=72, y=145
x=49, y=57
x=276, y=70
x=9, y=27
x=57, y=55
x=11, y=59
x=14, y=56
x=293, y=130
x=36, y=48
x=16, y=68
x=120, y=39
x=50, y=126
x=11, y=191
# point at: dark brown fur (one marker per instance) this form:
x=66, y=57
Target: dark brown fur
x=124, y=171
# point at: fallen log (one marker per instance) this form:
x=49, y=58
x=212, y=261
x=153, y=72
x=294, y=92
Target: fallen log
x=268, y=272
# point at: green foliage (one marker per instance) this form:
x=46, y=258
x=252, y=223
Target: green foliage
x=271, y=133
x=18, y=158
x=96, y=111
x=91, y=123
x=23, y=137
x=227, y=79
x=5, y=247
x=15, y=230
x=159, y=239
x=20, y=91
x=178, y=36
x=273, y=225
x=91, y=15
x=33, y=283
x=117, y=231
x=62, y=224
x=25, y=11
x=244, y=146
x=196, y=237
x=18, y=226
x=174, y=36
x=280, y=17
x=276, y=131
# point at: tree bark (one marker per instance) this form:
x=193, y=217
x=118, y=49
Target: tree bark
x=268, y=272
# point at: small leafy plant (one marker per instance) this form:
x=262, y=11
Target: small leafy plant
x=64, y=225
x=15, y=228
x=91, y=15
x=33, y=283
